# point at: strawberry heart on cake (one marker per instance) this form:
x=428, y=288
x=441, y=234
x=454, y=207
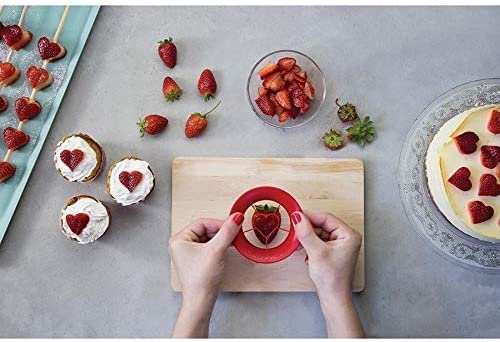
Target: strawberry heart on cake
x=130, y=179
x=479, y=212
x=461, y=179
x=490, y=156
x=6, y=170
x=3, y=103
x=78, y=222
x=494, y=122
x=72, y=158
x=488, y=186
x=466, y=142
x=12, y=34
x=50, y=51
x=15, y=139
x=27, y=110
x=38, y=78
x=266, y=221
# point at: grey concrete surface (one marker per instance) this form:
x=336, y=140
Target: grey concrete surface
x=389, y=61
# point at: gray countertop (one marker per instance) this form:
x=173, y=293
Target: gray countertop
x=390, y=61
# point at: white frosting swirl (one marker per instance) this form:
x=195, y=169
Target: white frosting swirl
x=85, y=167
x=98, y=219
x=119, y=192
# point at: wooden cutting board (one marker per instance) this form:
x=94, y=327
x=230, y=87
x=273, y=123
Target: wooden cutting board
x=207, y=187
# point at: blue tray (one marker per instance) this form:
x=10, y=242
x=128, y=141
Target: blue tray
x=41, y=21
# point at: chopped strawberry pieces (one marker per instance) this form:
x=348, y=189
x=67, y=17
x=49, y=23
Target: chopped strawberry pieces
x=286, y=88
x=494, y=122
x=479, y=212
x=460, y=179
x=466, y=142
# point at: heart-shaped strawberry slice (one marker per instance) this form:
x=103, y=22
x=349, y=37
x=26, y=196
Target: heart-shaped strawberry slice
x=130, y=179
x=3, y=103
x=12, y=34
x=49, y=50
x=6, y=170
x=479, y=212
x=6, y=70
x=78, y=222
x=490, y=156
x=494, y=122
x=27, y=110
x=72, y=158
x=15, y=139
x=466, y=142
x=266, y=221
x=488, y=185
x=461, y=179
x=37, y=77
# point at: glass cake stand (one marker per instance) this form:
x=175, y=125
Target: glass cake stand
x=423, y=214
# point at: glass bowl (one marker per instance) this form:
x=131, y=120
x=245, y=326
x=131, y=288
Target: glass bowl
x=424, y=216
x=314, y=76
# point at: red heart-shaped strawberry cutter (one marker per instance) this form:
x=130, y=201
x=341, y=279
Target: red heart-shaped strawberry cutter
x=274, y=254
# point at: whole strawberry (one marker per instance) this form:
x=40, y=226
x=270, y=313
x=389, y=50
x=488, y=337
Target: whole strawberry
x=168, y=52
x=171, y=89
x=196, y=123
x=207, y=85
x=152, y=124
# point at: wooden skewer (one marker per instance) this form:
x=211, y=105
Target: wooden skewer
x=61, y=24
x=23, y=15
x=44, y=65
x=1, y=9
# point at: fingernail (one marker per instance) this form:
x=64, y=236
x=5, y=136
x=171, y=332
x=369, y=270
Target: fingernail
x=238, y=218
x=296, y=218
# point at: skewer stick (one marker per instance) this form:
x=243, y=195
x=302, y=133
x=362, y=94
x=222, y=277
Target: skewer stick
x=1, y=9
x=44, y=65
x=61, y=24
x=23, y=15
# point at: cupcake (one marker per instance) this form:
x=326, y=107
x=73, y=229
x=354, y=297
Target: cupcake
x=84, y=219
x=78, y=158
x=130, y=180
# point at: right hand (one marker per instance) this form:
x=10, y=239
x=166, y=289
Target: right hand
x=332, y=248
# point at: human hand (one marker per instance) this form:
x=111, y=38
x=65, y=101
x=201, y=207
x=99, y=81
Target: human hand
x=198, y=252
x=332, y=248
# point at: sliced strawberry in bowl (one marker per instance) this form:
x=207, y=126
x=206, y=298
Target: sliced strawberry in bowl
x=268, y=70
x=266, y=105
x=283, y=98
x=287, y=63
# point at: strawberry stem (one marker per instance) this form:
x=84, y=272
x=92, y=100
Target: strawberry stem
x=337, y=103
x=211, y=110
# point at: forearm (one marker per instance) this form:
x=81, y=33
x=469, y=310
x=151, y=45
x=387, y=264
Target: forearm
x=340, y=314
x=194, y=316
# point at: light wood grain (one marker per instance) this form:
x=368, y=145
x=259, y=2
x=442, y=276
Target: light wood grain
x=207, y=187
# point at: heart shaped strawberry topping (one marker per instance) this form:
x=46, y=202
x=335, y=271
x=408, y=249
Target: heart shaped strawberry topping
x=72, y=158
x=460, y=179
x=494, y=122
x=36, y=76
x=479, y=212
x=6, y=170
x=466, y=142
x=3, y=103
x=130, y=179
x=47, y=48
x=490, y=156
x=78, y=222
x=6, y=70
x=266, y=221
x=14, y=138
x=12, y=34
x=488, y=186
x=27, y=110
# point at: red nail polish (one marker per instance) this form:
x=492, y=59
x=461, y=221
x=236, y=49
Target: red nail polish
x=238, y=218
x=296, y=218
